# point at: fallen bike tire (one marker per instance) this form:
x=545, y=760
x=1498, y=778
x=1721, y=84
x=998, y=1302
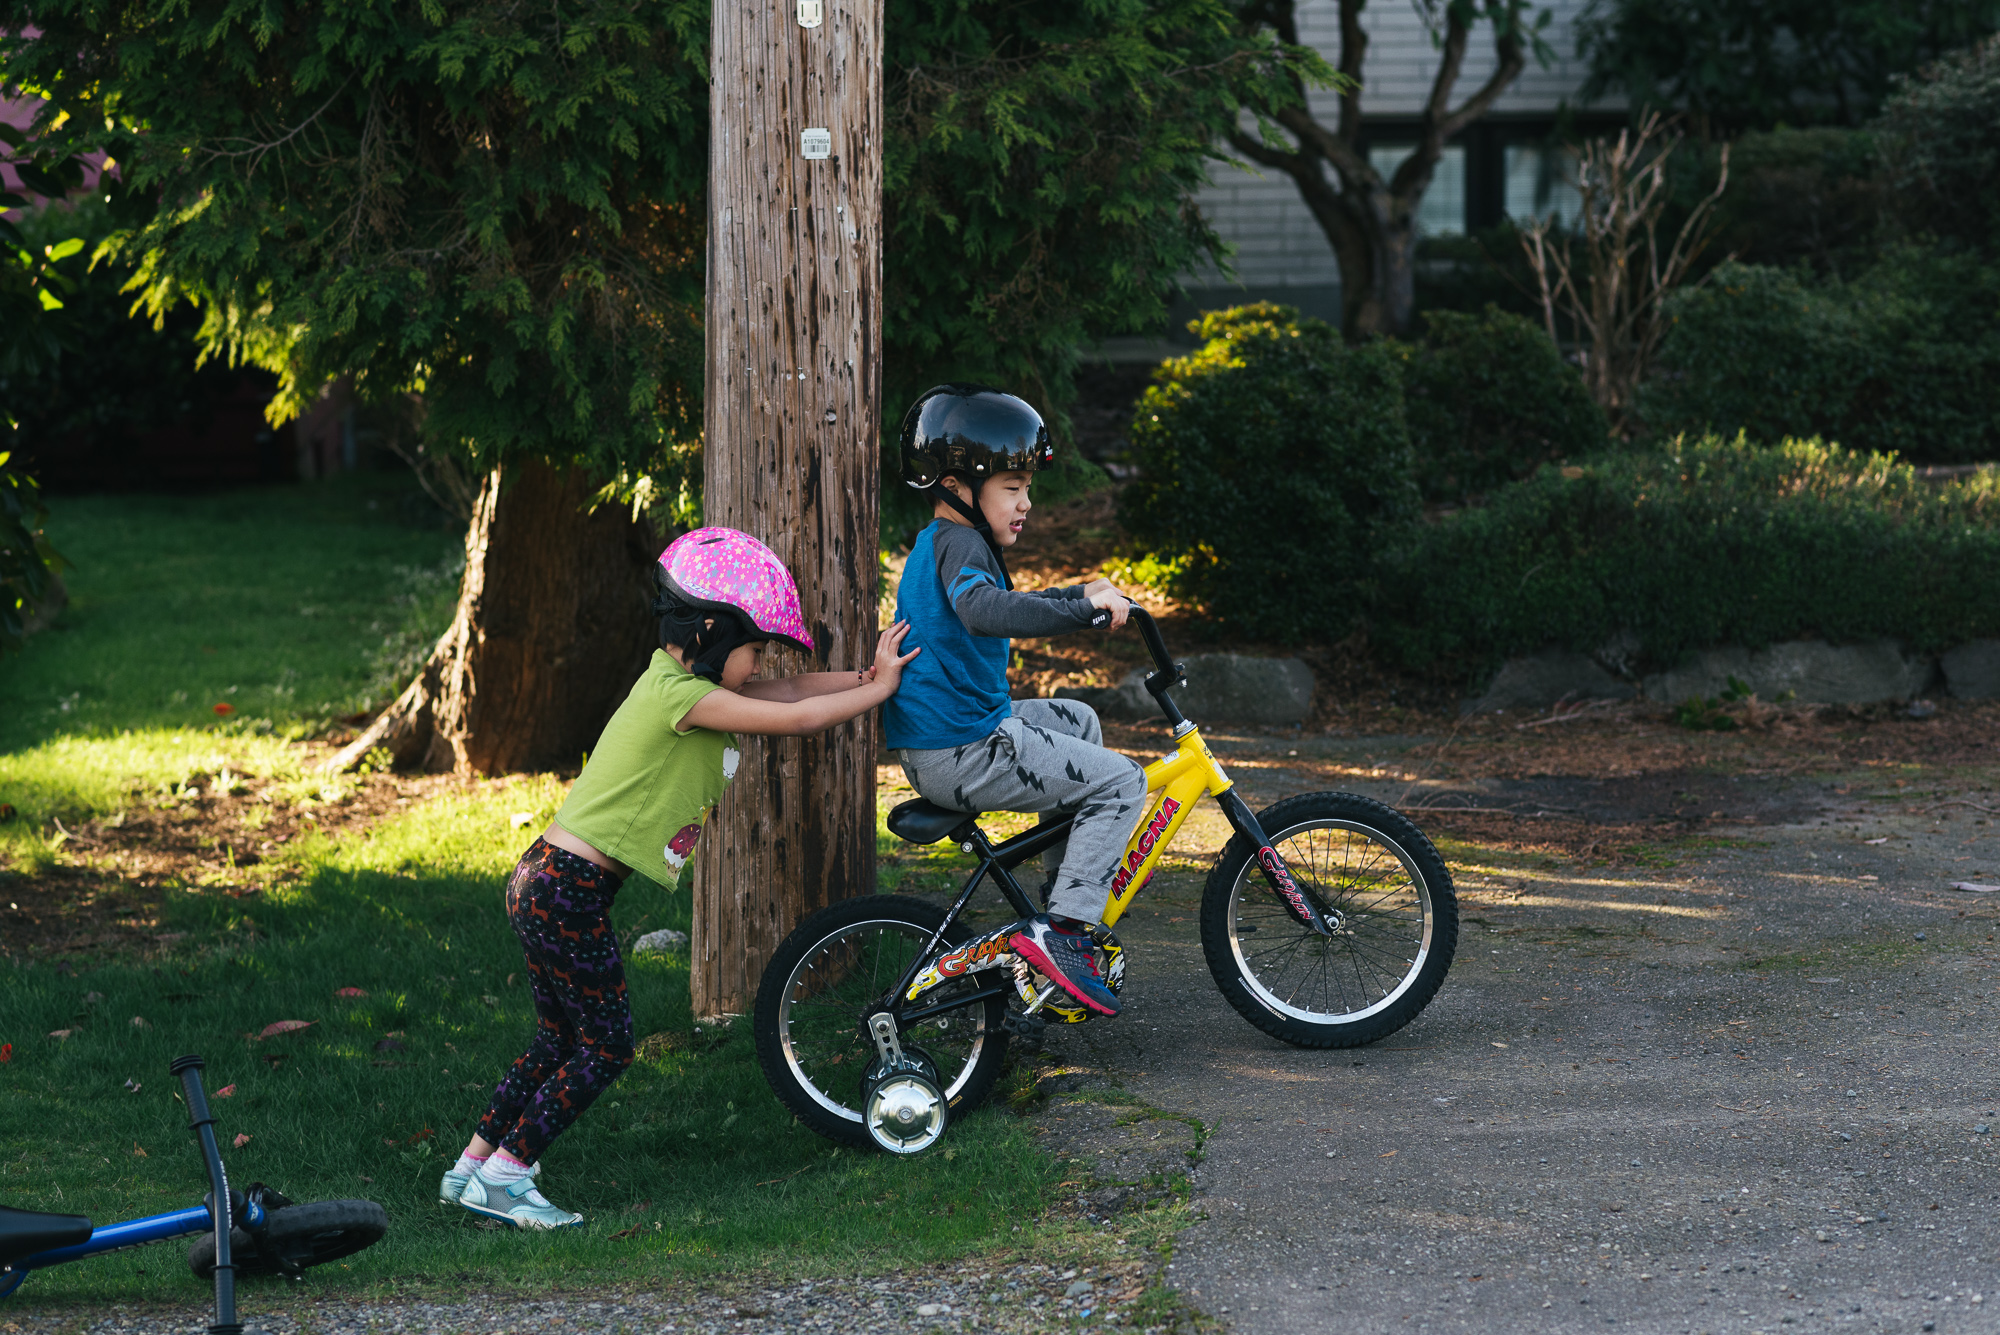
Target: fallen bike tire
x=306, y=1235
x=811, y=1006
x=1398, y=923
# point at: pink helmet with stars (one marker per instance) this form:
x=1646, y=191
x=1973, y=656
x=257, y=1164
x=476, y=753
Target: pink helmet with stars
x=723, y=570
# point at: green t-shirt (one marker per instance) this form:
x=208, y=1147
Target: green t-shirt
x=648, y=786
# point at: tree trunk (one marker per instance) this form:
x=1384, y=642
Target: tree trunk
x=793, y=407
x=554, y=624
x=1371, y=223
x=1381, y=296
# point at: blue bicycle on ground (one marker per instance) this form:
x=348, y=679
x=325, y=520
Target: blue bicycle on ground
x=268, y=1234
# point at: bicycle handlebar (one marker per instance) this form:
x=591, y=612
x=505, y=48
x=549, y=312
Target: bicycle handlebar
x=189, y=1069
x=1169, y=675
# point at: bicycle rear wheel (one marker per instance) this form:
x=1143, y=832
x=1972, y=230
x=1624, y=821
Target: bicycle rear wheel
x=818, y=990
x=306, y=1235
x=1397, y=923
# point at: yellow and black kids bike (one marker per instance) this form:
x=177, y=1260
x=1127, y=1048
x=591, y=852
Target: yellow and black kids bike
x=1328, y=921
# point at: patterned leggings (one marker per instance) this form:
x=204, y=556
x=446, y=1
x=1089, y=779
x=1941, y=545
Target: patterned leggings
x=559, y=905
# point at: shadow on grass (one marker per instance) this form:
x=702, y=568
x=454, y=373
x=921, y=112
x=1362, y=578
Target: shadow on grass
x=688, y=1165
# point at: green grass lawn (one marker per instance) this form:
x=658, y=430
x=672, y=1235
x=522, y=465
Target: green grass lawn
x=289, y=605
x=689, y=1166
x=275, y=601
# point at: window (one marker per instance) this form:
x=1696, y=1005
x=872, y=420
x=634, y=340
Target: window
x=1443, y=208
x=1541, y=182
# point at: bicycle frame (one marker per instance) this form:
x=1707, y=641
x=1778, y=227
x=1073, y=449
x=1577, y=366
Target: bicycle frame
x=112, y=1238
x=1174, y=784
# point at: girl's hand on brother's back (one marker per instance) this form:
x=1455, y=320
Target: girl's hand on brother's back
x=887, y=670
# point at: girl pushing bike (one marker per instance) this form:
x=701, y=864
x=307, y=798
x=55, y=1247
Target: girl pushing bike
x=642, y=798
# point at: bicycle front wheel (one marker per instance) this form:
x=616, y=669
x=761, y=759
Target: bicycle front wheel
x=817, y=993
x=1397, y=923
x=305, y=1235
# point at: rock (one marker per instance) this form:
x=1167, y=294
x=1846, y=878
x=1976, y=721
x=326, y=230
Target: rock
x=1078, y=1288
x=1812, y=671
x=663, y=942
x=1972, y=671
x=1540, y=680
x=1224, y=688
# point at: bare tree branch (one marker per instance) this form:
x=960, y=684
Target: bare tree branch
x=1618, y=305
x=1512, y=60
x=1356, y=172
x=1353, y=51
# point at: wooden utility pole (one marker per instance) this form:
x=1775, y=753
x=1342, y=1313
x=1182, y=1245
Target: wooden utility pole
x=793, y=409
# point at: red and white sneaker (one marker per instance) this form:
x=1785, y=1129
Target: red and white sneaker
x=1065, y=959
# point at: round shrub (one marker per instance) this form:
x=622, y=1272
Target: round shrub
x=1903, y=357
x=1274, y=464
x=1941, y=149
x=1489, y=399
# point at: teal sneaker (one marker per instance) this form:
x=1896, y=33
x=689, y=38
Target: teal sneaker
x=454, y=1182
x=518, y=1205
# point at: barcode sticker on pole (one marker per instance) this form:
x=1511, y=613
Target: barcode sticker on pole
x=816, y=144
x=810, y=13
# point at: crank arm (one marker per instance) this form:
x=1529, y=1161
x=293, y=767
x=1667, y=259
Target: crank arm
x=1300, y=901
x=911, y=1017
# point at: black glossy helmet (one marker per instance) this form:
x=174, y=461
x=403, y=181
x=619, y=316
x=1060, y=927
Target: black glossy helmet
x=972, y=431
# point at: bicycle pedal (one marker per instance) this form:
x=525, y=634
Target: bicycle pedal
x=1027, y=1029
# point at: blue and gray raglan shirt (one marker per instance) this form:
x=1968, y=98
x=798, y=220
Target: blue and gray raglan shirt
x=961, y=614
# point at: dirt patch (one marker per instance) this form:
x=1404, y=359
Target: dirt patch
x=217, y=835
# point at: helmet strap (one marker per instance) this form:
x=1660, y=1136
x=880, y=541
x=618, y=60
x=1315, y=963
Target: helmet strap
x=706, y=637
x=709, y=651
x=977, y=518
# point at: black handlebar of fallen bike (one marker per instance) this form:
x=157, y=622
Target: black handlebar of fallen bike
x=220, y=1202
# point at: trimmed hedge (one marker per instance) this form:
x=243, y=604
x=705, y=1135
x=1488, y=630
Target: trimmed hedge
x=1489, y=399
x=1705, y=543
x=1902, y=358
x=1274, y=464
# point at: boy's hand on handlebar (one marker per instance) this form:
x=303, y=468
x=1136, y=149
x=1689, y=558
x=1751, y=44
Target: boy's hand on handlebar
x=888, y=666
x=1111, y=601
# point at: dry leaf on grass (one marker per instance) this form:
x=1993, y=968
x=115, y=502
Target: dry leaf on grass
x=285, y=1027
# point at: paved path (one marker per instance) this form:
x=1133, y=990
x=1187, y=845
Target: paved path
x=1747, y=1092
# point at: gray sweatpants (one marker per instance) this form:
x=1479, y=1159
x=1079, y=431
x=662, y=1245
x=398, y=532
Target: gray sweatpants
x=1049, y=757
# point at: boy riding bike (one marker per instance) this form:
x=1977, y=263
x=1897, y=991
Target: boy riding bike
x=963, y=743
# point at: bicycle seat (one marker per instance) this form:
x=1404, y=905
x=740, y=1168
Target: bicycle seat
x=25, y=1232
x=923, y=822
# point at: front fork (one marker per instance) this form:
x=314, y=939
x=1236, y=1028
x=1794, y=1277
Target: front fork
x=1302, y=902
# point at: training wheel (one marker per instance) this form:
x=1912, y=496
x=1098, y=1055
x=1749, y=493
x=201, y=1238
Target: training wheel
x=905, y=1113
